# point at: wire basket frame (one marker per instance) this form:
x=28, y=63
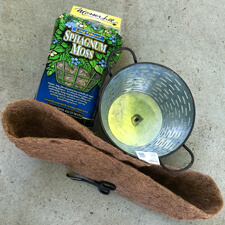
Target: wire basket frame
x=76, y=77
x=170, y=93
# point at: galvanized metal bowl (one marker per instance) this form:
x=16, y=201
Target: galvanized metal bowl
x=170, y=93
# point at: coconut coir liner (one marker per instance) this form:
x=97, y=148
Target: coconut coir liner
x=43, y=132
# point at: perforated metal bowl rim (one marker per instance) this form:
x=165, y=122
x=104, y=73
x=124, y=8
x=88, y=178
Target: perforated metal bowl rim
x=100, y=101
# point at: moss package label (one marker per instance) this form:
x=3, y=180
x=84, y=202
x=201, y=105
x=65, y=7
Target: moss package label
x=81, y=44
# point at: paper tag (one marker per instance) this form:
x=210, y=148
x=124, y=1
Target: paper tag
x=150, y=157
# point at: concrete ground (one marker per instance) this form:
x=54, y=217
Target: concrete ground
x=187, y=36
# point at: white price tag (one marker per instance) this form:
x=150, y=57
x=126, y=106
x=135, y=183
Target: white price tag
x=150, y=157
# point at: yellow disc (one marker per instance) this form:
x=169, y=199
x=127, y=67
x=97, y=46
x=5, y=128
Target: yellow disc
x=135, y=119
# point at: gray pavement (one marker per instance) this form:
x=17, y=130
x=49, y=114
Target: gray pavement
x=187, y=36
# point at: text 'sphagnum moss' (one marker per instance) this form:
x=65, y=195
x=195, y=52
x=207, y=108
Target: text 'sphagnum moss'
x=81, y=44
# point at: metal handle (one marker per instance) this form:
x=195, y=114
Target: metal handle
x=183, y=169
x=119, y=49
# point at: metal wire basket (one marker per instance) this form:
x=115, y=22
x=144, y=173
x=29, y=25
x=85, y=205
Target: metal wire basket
x=171, y=94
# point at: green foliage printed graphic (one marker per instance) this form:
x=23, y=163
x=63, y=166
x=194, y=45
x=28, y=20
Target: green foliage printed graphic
x=60, y=49
x=99, y=69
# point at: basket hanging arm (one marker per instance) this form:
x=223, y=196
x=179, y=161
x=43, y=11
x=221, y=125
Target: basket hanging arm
x=112, y=53
x=183, y=169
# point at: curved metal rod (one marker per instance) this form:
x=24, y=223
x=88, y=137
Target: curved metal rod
x=119, y=49
x=183, y=169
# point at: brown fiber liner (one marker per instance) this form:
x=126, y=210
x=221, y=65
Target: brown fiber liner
x=43, y=132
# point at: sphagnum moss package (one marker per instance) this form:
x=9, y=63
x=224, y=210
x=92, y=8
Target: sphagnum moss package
x=81, y=44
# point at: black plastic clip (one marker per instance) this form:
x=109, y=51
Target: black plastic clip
x=104, y=187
